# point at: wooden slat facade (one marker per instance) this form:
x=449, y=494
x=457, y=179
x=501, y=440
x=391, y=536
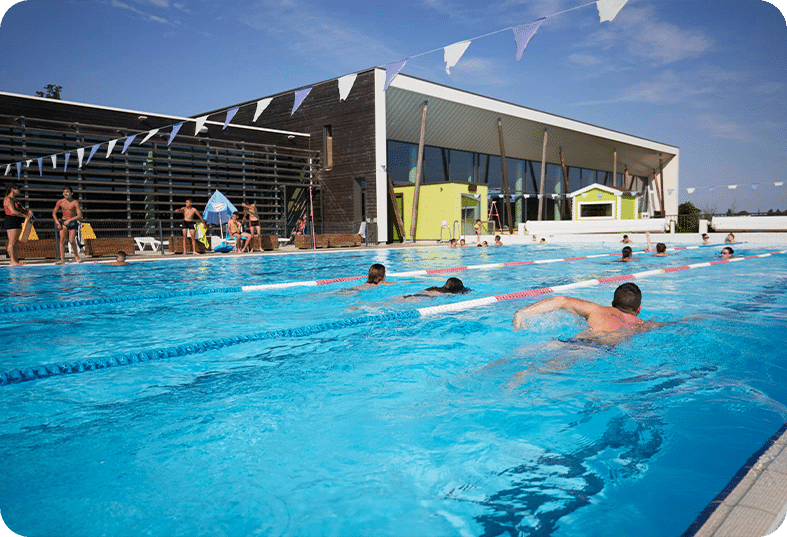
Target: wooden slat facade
x=137, y=193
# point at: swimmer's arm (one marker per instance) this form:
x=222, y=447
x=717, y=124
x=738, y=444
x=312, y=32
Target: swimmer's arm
x=577, y=306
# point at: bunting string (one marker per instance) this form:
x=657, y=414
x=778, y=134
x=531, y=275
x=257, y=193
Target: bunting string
x=452, y=53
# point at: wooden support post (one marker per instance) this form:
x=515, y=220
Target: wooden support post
x=658, y=192
x=626, y=180
x=661, y=178
x=615, y=167
x=392, y=196
x=567, y=205
x=505, y=177
x=419, y=168
x=543, y=177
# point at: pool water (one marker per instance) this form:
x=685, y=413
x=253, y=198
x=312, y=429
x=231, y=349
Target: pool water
x=449, y=424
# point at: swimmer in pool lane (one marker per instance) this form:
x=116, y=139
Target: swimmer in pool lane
x=625, y=254
x=607, y=325
x=727, y=253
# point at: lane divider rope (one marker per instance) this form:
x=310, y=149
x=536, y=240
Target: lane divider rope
x=15, y=376
x=263, y=287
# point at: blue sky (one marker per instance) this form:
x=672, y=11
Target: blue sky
x=708, y=76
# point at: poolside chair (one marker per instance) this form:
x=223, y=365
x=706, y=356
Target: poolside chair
x=143, y=242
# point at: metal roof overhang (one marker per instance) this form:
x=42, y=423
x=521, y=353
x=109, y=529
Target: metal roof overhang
x=468, y=122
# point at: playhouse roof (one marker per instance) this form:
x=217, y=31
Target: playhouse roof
x=616, y=191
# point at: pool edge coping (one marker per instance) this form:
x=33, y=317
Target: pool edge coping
x=754, y=502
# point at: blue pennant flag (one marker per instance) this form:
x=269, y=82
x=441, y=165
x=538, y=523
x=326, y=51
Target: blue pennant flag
x=92, y=152
x=175, y=129
x=40, y=166
x=65, y=166
x=128, y=142
x=391, y=70
x=230, y=114
x=300, y=95
x=523, y=34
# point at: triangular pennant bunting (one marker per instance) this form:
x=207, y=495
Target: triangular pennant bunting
x=391, y=70
x=670, y=191
x=345, y=85
x=7, y=169
x=523, y=34
x=732, y=187
x=92, y=152
x=200, y=123
x=65, y=166
x=19, y=169
x=40, y=166
x=690, y=190
x=261, y=106
x=779, y=183
x=54, y=161
x=754, y=186
x=711, y=189
x=300, y=95
x=110, y=147
x=128, y=142
x=608, y=9
x=80, y=156
x=175, y=129
x=452, y=53
x=230, y=114
x=149, y=136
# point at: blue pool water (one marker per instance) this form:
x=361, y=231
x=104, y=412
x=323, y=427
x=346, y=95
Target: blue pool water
x=442, y=425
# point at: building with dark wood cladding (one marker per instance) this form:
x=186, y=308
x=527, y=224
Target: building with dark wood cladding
x=349, y=151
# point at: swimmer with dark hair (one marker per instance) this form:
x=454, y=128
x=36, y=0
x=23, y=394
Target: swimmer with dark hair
x=625, y=254
x=376, y=274
x=452, y=286
x=727, y=253
x=607, y=325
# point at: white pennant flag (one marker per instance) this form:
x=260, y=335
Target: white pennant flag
x=150, y=134
x=80, y=155
x=28, y=163
x=54, y=161
x=345, y=85
x=608, y=9
x=690, y=190
x=261, y=106
x=40, y=167
x=452, y=53
x=7, y=169
x=780, y=183
x=111, y=147
x=732, y=187
x=200, y=123
x=523, y=34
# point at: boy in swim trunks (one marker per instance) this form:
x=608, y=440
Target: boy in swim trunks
x=15, y=215
x=189, y=224
x=250, y=212
x=69, y=225
x=235, y=230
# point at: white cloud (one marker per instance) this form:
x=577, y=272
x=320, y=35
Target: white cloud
x=143, y=14
x=723, y=127
x=319, y=35
x=584, y=59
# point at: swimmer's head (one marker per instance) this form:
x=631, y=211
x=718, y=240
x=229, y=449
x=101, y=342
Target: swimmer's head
x=121, y=256
x=727, y=252
x=628, y=298
x=627, y=251
x=661, y=248
x=452, y=286
x=376, y=274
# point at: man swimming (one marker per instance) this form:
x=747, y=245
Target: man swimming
x=607, y=325
x=625, y=254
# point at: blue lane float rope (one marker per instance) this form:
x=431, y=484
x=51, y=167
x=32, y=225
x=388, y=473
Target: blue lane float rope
x=15, y=376
x=116, y=300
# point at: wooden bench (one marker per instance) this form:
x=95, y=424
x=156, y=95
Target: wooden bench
x=42, y=248
x=109, y=246
x=328, y=241
x=176, y=245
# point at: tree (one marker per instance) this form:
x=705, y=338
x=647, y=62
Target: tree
x=52, y=92
x=688, y=218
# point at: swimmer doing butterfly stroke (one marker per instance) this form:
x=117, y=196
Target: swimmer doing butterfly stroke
x=607, y=325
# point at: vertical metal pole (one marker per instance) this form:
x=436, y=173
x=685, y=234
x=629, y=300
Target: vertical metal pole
x=543, y=177
x=418, y=171
x=567, y=211
x=615, y=167
x=505, y=176
x=661, y=179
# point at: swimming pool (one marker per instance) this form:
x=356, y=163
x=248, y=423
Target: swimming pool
x=437, y=425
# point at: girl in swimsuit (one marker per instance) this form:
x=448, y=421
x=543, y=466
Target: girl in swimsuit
x=15, y=215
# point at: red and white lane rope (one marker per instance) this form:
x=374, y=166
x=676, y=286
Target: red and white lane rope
x=469, y=304
x=429, y=272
